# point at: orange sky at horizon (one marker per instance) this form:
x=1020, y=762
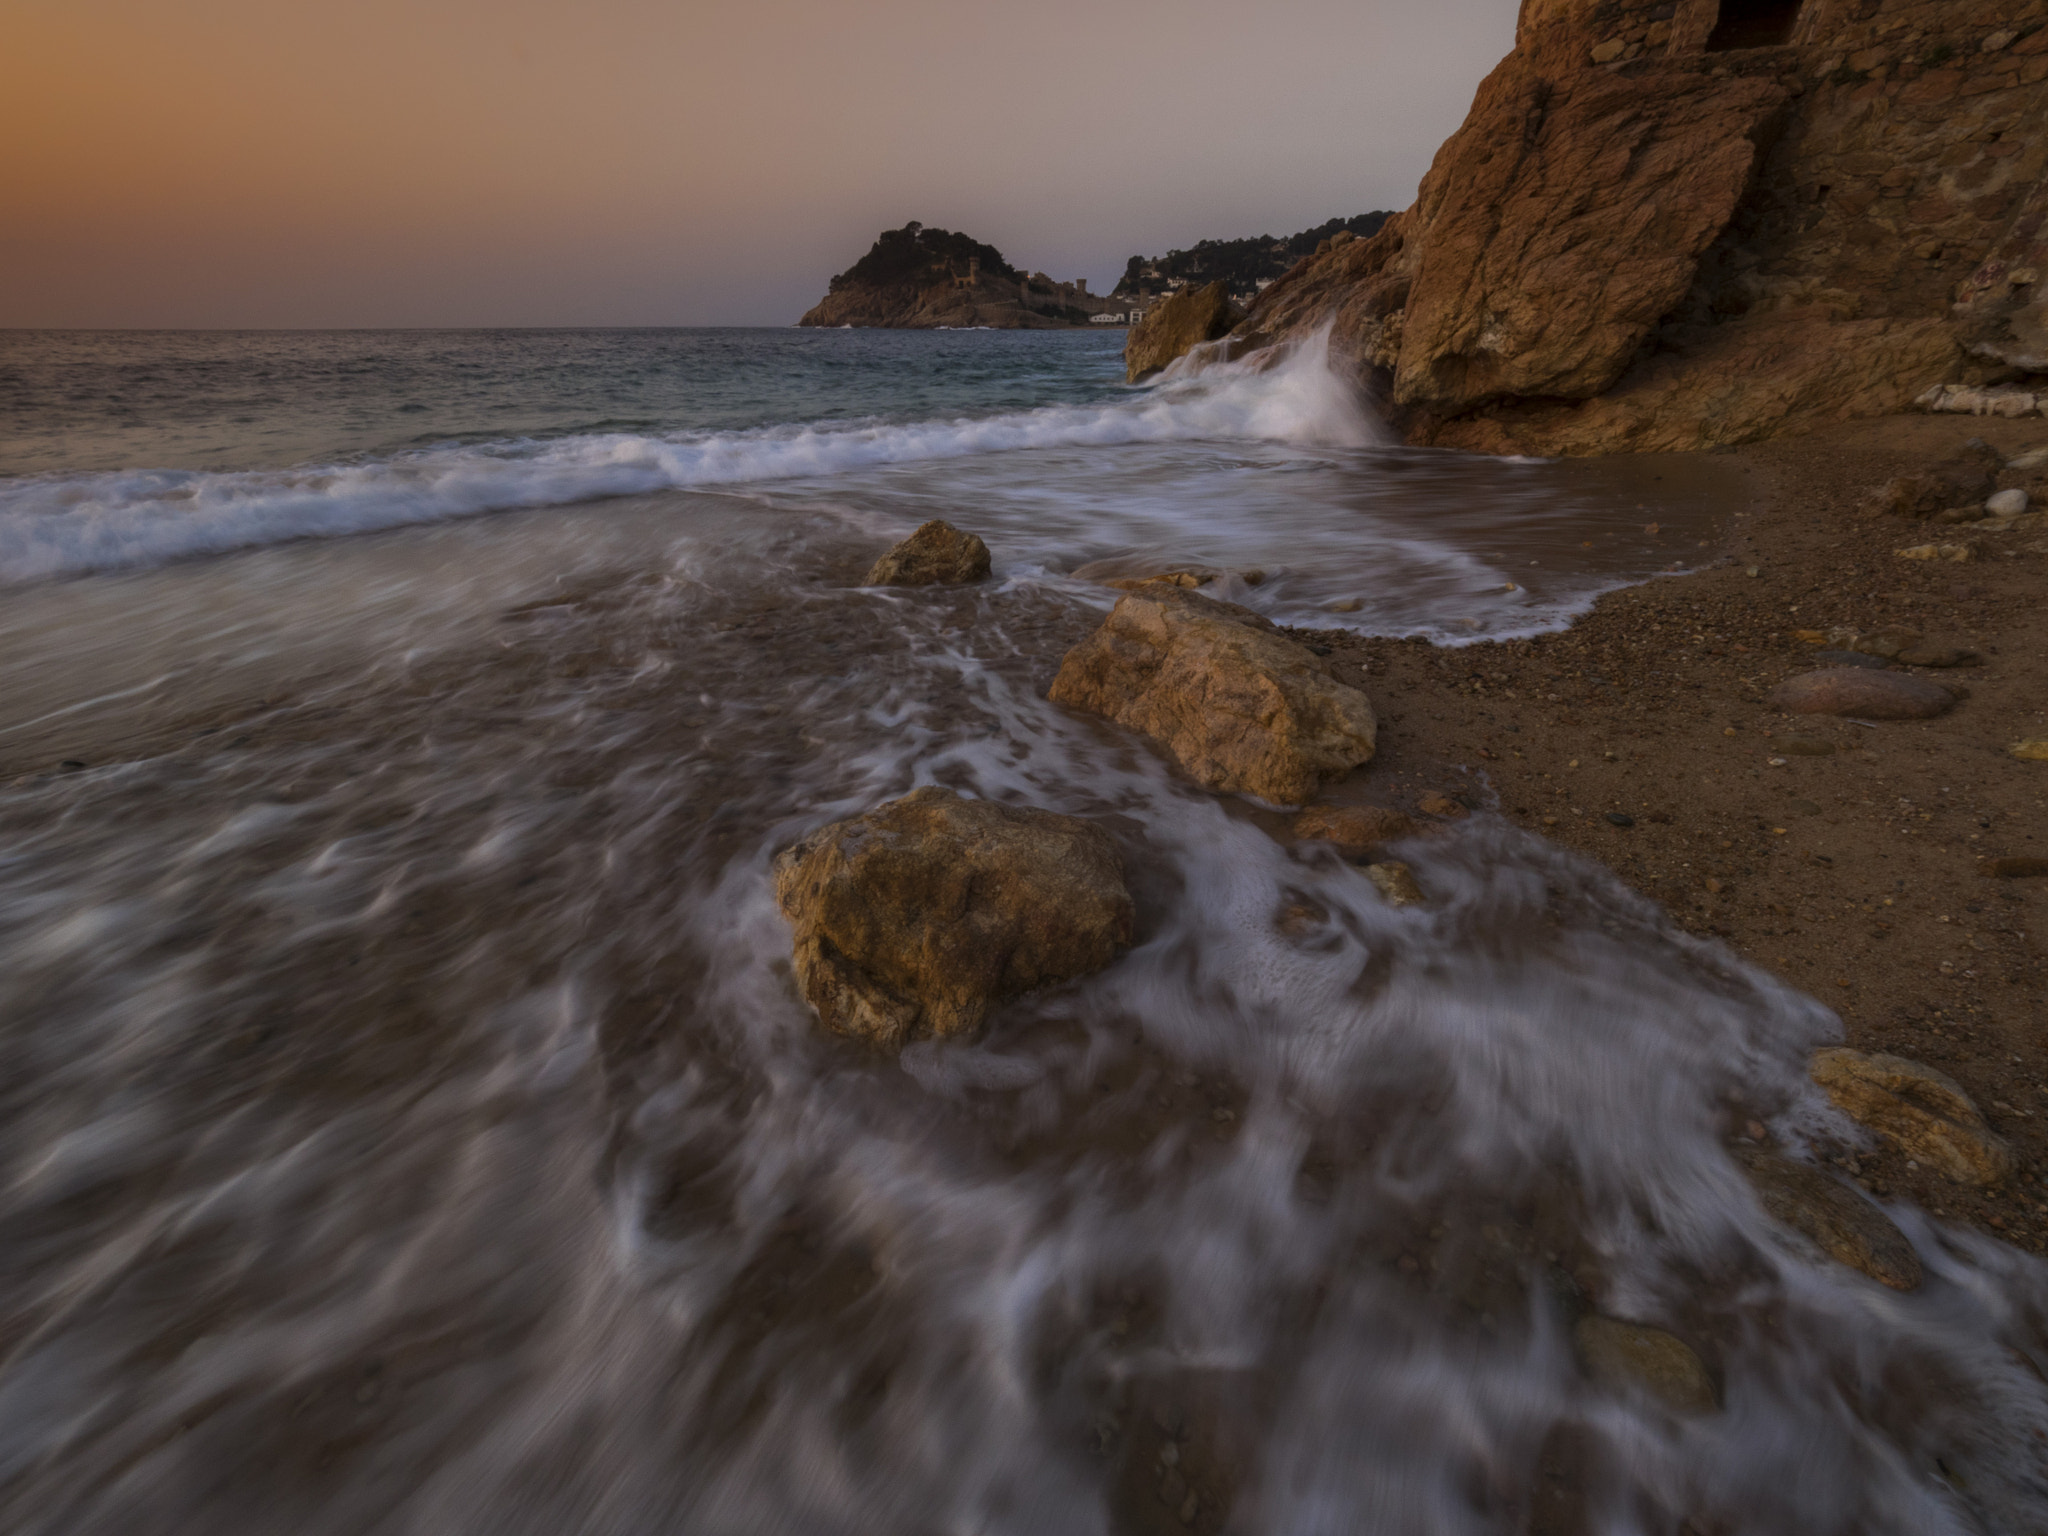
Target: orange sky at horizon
x=456, y=162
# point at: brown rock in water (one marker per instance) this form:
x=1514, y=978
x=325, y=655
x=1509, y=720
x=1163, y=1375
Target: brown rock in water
x=1922, y=1112
x=1239, y=707
x=1176, y=327
x=1355, y=829
x=1847, y=1228
x=1438, y=804
x=938, y=554
x=1859, y=692
x=1396, y=882
x=1629, y=1356
x=920, y=916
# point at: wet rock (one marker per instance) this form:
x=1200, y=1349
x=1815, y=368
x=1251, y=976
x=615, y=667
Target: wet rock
x=1187, y=579
x=1629, y=1356
x=1239, y=706
x=1396, y=882
x=1922, y=1112
x=1440, y=805
x=2034, y=751
x=938, y=554
x=1864, y=694
x=1355, y=829
x=1176, y=327
x=2007, y=503
x=2016, y=867
x=918, y=917
x=1847, y=1228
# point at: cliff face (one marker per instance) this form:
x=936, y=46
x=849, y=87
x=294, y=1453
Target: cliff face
x=1669, y=226
x=922, y=279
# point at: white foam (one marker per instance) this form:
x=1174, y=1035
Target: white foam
x=60, y=525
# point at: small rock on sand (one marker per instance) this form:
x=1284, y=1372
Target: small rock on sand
x=2015, y=867
x=2034, y=751
x=2008, y=503
x=1861, y=693
x=1629, y=1356
x=1921, y=1111
x=1957, y=553
x=1396, y=882
x=938, y=554
x=1845, y=1226
x=1931, y=653
x=1851, y=659
x=918, y=917
x=1355, y=829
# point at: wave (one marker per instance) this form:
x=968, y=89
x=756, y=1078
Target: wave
x=59, y=525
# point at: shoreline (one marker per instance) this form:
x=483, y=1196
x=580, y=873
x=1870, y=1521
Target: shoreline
x=1843, y=858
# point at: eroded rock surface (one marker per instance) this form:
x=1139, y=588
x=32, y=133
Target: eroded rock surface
x=1240, y=707
x=938, y=554
x=1862, y=693
x=919, y=917
x=1841, y=1223
x=1176, y=327
x=1625, y=1356
x=1921, y=1111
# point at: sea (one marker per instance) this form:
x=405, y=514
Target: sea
x=409, y=1122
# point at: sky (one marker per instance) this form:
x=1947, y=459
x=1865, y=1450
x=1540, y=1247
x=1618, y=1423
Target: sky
x=673, y=162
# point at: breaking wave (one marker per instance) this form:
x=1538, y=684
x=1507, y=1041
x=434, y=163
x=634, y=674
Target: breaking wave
x=63, y=525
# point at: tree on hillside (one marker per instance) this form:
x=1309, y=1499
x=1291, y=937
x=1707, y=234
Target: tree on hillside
x=917, y=256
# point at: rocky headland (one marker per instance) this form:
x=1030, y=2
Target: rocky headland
x=915, y=278
x=1662, y=228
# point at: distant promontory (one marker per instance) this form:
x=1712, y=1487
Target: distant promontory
x=918, y=278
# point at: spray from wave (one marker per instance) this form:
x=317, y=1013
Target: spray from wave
x=63, y=525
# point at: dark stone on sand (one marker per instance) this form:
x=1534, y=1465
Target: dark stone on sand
x=2018, y=868
x=938, y=554
x=1928, y=654
x=1860, y=693
x=1852, y=659
x=1620, y=819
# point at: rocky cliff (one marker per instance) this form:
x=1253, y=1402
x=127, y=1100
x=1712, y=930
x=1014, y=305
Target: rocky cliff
x=1671, y=226
x=923, y=279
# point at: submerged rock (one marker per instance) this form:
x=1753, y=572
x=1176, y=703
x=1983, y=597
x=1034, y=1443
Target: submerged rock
x=1176, y=327
x=1355, y=829
x=1846, y=1227
x=1863, y=693
x=1396, y=882
x=938, y=554
x=1624, y=1356
x=1240, y=707
x=918, y=917
x=1924, y=1113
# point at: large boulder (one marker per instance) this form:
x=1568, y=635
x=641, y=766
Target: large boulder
x=1922, y=1112
x=1239, y=706
x=920, y=916
x=1176, y=327
x=938, y=554
x=1861, y=693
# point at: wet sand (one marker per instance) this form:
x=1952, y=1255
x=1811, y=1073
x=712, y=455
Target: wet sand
x=1855, y=874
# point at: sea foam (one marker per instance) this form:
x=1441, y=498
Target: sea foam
x=62, y=525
